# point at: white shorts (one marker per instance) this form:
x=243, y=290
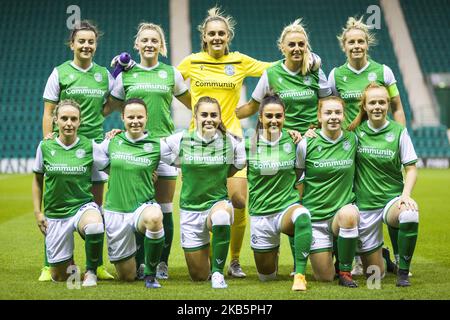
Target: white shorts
x=371, y=228
x=99, y=176
x=194, y=233
x=59, y=239
x=322, y=235
x=265, y=230
x=164, y=170
x=120, y=228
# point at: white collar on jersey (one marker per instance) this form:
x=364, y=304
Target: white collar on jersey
x=271, y=143
x=81, y=69
x=377, y=129
x=292, y=73
x=67, y=147
x=360, y=70
x=136, y=140
x=206, y=140
x=148, y=68
x=331, y=140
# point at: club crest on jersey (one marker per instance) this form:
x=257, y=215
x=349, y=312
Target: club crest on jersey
x=52, y=152
x=389, y=137
x=148, y=147
x=346, y=145
x=307, y=80
x=287, y=147
x=80, y=153
x=162, y=74
x=319, y=148
x=372, y=76
x=98, y=77
x=119, y=142
x=229, y=70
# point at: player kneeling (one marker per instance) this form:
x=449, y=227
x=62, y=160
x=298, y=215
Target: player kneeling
x=64, y=165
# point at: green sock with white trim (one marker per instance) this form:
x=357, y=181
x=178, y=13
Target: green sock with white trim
x=302, y=242
x=153, y=245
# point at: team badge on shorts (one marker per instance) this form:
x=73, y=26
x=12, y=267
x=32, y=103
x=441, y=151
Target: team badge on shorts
x=98, y=77
x=389, y=137
x=287, y=147
x=254, y=239
x=346, y=145
x=372, y=76
x=307, y=80
x=229, y=70
x=148, y=147
x=162, y=74
x=80, y=153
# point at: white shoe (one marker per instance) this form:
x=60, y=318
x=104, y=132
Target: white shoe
x=357, y=269
x=162, y=271
x=218, y=281
x=235, y=270
x=140, y=272
x=90, y=279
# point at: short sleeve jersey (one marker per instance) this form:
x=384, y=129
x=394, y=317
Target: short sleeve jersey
x=349, y=84
x=271, y=174
x=329, y=172
x=204, y=165
x=67, y=175
x=379, y=160
x=131, y=165
x=89, y=88
x=300, y=94
x=221, y=79
x=156, y=86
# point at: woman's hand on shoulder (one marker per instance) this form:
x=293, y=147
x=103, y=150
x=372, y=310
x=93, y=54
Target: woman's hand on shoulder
x=111, y=134
x=311, y=133
x=295, y=135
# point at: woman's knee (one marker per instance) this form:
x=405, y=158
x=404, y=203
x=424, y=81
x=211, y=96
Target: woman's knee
x=238, y=200
x=348, y=218
x=152, y=219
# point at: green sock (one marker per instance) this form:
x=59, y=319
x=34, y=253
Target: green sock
x=407, y=237
x=393, y=234
x=46, y=264
x=140, y=251
x=346, y=243
x=302, y=240
x=153, y=248
x=220, y=246
x=93, y=246
x=168, y=234
x=292, y=246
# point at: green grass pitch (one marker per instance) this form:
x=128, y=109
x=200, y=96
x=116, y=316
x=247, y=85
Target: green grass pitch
x=21, y=258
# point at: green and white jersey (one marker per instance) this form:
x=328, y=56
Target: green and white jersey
x=90, y=88
x=156, y=86
x=300, y=94
x=349, y=84
x=381, y=154
x=67, y=175
x=329, y=172
x=204, y=164
x=131, y=165
x=271, y=174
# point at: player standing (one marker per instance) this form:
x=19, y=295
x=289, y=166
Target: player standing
x=211, y=154
x=329, y=165
x=65, y=166
x=381, y=195
x=274, y=202
x=156, y=83
x=349, y=80
x=89, y=84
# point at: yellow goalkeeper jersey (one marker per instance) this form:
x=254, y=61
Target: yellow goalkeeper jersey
x=221, y=79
